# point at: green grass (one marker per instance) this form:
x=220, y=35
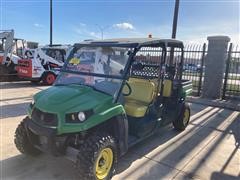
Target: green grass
x=191, y=74
x=234, y=77
x=195, y=83
x=230, y=87
x=233, y=87
x=197, y=74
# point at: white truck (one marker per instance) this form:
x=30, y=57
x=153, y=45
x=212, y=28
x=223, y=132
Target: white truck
x=43, y=64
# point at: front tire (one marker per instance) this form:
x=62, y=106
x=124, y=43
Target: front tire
x=97, y=157
x=22, y=141
x=182, y=121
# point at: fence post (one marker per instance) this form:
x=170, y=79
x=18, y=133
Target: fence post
x=201, y=70
x=214, y=66
x=226, y=71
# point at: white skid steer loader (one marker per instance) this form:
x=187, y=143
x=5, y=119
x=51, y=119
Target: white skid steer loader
x=43, y=64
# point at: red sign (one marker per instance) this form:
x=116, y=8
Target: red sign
x=1, y=59
x=24, y=68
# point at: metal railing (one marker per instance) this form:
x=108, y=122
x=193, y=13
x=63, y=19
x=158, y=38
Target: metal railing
x=193, y=67
x=194, y=60
x=231, y=85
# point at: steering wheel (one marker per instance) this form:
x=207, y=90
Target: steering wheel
x=129, y=89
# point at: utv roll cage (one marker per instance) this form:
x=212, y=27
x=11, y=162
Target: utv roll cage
x=136, y=44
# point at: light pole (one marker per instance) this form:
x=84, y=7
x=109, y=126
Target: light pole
x=174, y=28
x=50, y=22
x=101, y=28
x=175, y=19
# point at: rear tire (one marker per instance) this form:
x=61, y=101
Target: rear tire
x=182, y=121
x=97, y=157
x=22, y=141
x=48, y=78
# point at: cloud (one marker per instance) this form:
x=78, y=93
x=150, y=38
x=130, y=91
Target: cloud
x=93, y=34
x=82, y=24
x=37, y=25
x=124, y=26
x=84, y=32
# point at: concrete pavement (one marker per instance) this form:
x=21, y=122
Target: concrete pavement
x=208, y=149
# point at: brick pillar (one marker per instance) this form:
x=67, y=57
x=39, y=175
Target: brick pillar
x=214, y=66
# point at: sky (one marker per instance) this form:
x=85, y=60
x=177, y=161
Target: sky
x=74, y=21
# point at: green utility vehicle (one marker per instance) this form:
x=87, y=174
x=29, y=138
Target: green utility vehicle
x=110, y=95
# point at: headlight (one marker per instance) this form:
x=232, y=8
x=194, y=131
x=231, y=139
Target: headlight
x=78, y=117
x=81, y=116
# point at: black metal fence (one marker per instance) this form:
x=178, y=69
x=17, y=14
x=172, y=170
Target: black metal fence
x=193, y=68
x=194, y=60
x=231, y=85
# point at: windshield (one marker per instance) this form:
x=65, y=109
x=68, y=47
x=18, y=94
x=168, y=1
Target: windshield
x=57, y=54
x=99, y=67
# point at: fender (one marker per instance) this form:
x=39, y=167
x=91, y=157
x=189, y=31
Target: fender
x=94, y=120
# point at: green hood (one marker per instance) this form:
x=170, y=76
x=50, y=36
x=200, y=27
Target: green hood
x=62, y=100
x=72, y=98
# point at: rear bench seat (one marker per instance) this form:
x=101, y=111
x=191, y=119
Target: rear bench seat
x=143, y=92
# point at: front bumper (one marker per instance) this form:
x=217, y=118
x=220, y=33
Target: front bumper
x=39, y=130
x=45, y=139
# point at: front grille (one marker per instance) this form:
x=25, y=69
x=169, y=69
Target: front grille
x=44, y=118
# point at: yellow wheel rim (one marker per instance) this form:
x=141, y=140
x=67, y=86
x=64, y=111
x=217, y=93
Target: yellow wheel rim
x=186, y=116
x=104, y=163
